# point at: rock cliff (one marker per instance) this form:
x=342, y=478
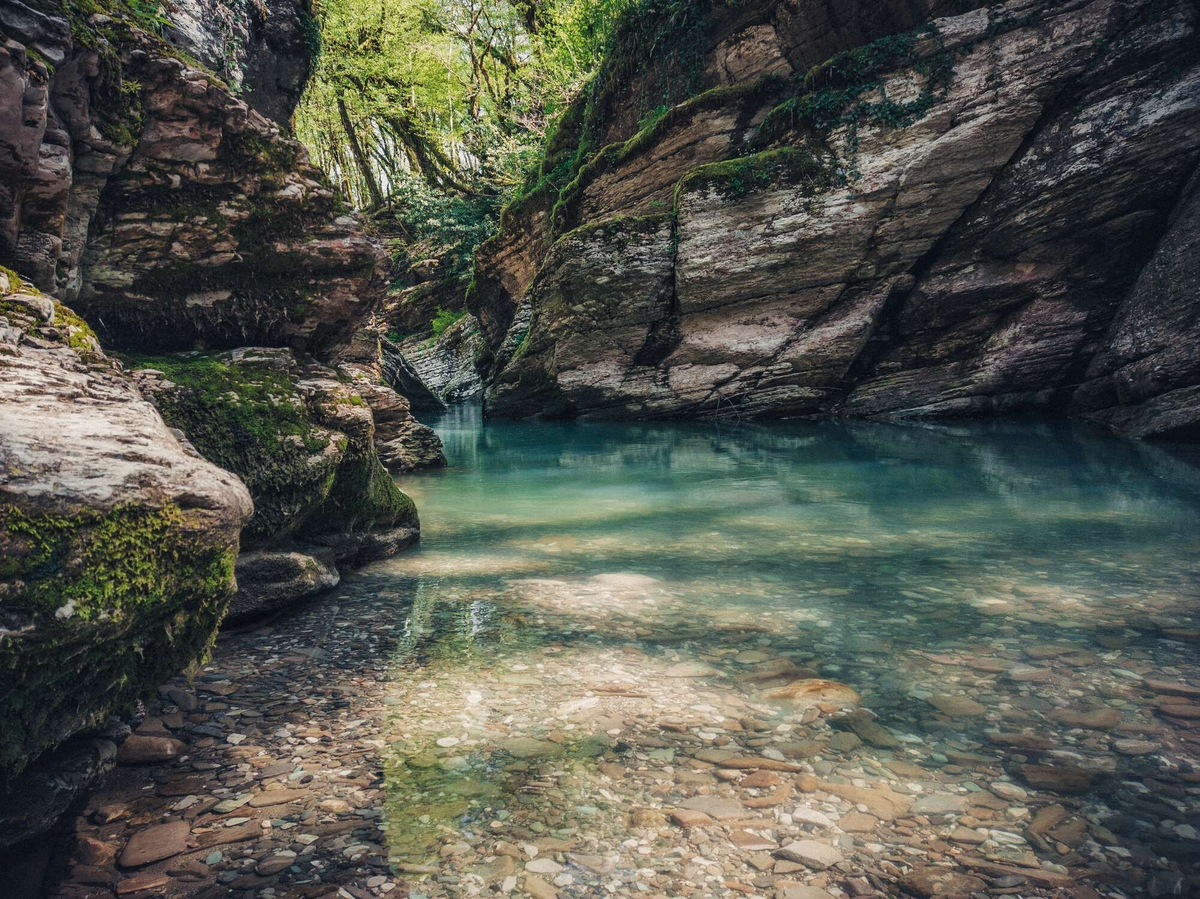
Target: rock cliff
x=932, y=210
x=149, y=181
x=117, y=538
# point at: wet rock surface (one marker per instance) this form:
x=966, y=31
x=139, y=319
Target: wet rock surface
x=117, y=542
x=521, y=715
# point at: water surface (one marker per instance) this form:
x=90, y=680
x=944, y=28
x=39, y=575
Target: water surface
x=634, y=593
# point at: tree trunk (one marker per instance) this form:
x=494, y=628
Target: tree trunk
x=360, y=158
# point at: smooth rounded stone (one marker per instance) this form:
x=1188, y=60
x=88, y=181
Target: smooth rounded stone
x=543, y=866
x=956, y=706
x=816, y=690
x=688, y=819
x=716, y=807
x=810, y=853
x=269, y=798
x=858, y=822
x=1189, y=710
x=268, y=579
x=1134, y=747
x=1059, y=779
x=844, y=741
x=802, y=815
x=937, y=804
x=803, y=892
x=527, y=747
x=539, y=889
x=929, y=882
x=1096, y=719
x=864, y=725
x=751, y=842
x=274, y=864
x=1172, y=688
x=1008, y=791
x=146, y=750
x=154, y=843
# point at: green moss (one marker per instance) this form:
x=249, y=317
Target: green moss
x=249, y=419
x=747, y=95
x=444, y=319
x=848, y=88
x=119, y=602
x=738, y=177
x=363, y=497
x=16, y=284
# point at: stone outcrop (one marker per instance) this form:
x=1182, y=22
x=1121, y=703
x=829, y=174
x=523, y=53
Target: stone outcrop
x=851, y=218
x=303, y=438
x=446, y=365
x=263, y=50
x=148, y=180
x=118, y=541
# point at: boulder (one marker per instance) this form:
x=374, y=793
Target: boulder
x=118, y=540
x=302, y=437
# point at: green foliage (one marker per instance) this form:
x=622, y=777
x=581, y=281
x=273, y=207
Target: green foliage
x=437, y=225
x=444, y=319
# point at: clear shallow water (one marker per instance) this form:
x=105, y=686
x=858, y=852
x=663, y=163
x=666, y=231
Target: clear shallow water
x=1031, y=573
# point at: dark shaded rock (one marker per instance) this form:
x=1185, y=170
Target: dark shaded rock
x=268, y=580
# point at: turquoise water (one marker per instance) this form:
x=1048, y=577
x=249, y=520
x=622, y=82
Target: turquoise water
x=1034, y=574
x=1074, y=524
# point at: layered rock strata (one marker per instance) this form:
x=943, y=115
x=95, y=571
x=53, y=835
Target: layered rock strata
x=980, y=215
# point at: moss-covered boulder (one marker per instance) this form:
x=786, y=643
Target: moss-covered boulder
x=117, y=541
x=302, y=437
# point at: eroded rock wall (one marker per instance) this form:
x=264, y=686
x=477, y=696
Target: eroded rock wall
x=947, y=221
x=118, y=541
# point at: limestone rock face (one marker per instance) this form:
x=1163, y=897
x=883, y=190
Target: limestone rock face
x=445, y=366
x=302, y=436
x=117, y=539
x=163, y=206
x=262, y=49
x=983, y=214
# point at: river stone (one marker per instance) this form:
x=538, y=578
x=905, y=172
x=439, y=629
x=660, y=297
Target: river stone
x=716, y=807
x=527, y=747
x=937, y=804
x=154, y=843
x=1059, y=779
x=956, y=706
x=142, y=750
x=930, y=882
x=814, y=691
x=811, y=853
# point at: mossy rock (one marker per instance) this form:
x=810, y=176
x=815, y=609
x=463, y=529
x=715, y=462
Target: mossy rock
x=299, y=436
x=96, y=609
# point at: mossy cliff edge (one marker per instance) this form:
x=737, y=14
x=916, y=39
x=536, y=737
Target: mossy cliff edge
x=117, y=541
x=924, y=210
x=302, y=437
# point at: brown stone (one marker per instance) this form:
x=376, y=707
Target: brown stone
x=154, y=843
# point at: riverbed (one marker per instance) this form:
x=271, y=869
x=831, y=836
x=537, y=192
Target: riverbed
x=792, y=661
